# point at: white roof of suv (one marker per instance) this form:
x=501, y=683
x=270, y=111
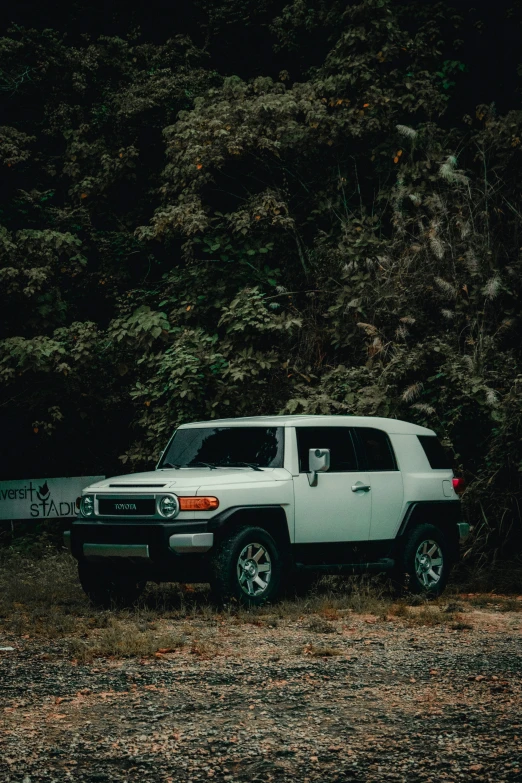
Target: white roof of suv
x=388, y=425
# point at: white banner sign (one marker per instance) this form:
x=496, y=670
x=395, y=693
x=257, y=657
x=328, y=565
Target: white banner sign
x=42, y=498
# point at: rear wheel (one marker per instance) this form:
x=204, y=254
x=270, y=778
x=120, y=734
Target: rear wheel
x=247, y=567
x=110, y=587
x=425, y=562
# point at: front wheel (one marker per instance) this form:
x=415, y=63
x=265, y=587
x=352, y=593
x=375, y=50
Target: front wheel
x=110, y=587
x=424, y=563
x=247, y=568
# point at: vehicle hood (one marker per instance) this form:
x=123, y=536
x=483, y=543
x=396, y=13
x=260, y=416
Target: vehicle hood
x=183, y=478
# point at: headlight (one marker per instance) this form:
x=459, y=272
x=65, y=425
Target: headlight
x=168, y=506
x=87, y=505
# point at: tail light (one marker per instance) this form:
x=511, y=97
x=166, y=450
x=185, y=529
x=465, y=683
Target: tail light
x=459, y=485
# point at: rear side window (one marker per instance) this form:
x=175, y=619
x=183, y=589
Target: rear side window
x=378, y=449
x=437, y=457
x=337, y=439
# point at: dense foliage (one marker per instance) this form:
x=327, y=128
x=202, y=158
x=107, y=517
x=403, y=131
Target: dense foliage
x=326, y=226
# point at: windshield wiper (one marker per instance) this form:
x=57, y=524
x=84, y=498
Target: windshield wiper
x=253, y=465
x=169, y=465
x=205, y=465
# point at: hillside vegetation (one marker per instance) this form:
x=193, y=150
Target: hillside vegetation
x=264, y=209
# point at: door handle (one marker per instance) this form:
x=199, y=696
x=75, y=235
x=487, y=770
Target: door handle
x=359, y=485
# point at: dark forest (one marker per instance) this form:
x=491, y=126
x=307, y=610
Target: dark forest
x=229, y=208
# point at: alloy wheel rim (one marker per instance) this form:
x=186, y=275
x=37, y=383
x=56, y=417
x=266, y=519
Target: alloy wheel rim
x=254, y=570
x=429, y=563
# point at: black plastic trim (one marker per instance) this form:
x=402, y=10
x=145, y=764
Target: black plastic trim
x=377, y=566
x=455, y=505
x=334, y=553
x=155, y=534
x=221, y=519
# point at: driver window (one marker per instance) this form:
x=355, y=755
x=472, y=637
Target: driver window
x=337, y=439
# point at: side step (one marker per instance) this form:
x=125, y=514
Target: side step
x=376, y=567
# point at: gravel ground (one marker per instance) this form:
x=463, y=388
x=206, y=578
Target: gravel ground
x=327, y=696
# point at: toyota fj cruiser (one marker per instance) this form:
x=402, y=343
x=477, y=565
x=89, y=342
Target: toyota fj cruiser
x=252, y=505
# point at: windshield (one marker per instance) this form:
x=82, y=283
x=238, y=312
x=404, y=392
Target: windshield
x=225, y=447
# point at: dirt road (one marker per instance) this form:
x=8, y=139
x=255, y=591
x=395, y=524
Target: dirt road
x=318, y=694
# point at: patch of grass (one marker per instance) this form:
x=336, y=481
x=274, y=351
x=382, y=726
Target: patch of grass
x=175, y=600
x=453, y=607
x=41, y=597
x=123, y=640
x=319, y=625
x=46, y=581
x=482, y=577
x=483, y=602
x=328, y=611
x=414, y=599
x=204, y=648
x=495, y=602
x=335, y=596
x=321, y=652
x=460, y=624
x=427, y=614
x=400, y=610
x=511, y=605
x=331, y=598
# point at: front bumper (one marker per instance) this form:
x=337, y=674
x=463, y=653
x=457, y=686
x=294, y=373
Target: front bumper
x=161, y=544
x=184, y=543
x=116, y=550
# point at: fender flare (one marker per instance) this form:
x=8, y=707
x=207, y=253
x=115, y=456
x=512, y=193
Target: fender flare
x=444, y=514
x=271, y=517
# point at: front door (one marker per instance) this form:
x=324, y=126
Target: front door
x=334, y=511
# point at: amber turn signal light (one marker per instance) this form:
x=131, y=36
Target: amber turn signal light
x=198, y=504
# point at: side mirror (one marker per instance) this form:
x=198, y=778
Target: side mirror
x=318, y=462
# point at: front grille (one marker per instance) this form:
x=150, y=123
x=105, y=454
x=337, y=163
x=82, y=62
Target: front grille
x=126, y=507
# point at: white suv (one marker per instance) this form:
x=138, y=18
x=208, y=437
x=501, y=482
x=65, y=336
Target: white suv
x=256, y=504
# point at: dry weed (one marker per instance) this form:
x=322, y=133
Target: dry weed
x=123, y=640
x=400, y=610
x=511, y=605
x=481, y=577
x=427, y=614
x=321, y=652
x=460, y=624
x=42, y=598
x=318, y=625
x=204, y=648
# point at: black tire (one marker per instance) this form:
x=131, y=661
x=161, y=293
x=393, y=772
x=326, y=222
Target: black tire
x=235, y=559
x=108, y=587
x=424, y=562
